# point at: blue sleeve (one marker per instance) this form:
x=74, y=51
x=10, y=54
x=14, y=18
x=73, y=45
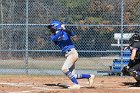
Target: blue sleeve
x=70, y=33
x=56, y=36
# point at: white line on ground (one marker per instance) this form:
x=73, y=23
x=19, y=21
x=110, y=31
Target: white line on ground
x=44, y=88
x=125, y=88
x=29, y=91
x=17, y=84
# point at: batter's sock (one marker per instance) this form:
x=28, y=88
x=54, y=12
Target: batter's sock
x=81, y=76
x=71, y=77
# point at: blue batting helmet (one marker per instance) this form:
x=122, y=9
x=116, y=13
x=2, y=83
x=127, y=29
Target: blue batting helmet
x=56, y=24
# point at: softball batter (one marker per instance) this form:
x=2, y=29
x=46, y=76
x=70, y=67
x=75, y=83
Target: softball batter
x=62, y=37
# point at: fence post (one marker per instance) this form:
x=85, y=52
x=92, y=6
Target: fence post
x=122, y=28
x=26, y=48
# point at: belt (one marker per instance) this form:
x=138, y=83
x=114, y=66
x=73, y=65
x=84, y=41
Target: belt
x=67, y=51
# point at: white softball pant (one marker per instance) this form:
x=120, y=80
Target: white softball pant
x=71, y=58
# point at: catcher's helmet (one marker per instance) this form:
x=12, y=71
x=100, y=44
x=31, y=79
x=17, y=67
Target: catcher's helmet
x=55, y=24
x=135, y=37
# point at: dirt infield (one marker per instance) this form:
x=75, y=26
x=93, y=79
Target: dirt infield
x=58, y=84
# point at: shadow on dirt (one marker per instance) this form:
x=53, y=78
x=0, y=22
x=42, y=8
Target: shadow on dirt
x=66, y=86
x=130, y=84
x=59, y=85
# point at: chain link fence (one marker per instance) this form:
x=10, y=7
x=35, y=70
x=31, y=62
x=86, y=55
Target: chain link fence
x=25, y=47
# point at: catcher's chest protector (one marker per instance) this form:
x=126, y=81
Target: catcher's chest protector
x=138, y=53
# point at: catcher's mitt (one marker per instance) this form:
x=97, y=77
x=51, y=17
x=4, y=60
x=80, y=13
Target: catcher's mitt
x=125, y=71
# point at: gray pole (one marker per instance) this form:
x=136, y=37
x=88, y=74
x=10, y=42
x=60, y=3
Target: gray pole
x=26, y=50
x=1, y=26
x=122, y=31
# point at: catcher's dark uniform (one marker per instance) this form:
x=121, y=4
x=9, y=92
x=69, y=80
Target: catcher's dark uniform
x=133, y=68
x=134, y=65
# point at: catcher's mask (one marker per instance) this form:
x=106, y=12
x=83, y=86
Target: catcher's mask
x=135, y=37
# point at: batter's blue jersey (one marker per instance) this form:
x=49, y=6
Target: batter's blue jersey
x=63, y=40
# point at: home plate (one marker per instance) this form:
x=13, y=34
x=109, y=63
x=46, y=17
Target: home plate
x=134, y=88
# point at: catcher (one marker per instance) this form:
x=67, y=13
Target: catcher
x=62, y=37
x=133, y=68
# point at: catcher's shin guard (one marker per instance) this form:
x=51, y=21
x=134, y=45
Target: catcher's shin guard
x=136, y=75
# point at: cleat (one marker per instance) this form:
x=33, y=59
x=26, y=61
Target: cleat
x=134, y=73
x=91, y=80
x=75, y=86
x=137, y=84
